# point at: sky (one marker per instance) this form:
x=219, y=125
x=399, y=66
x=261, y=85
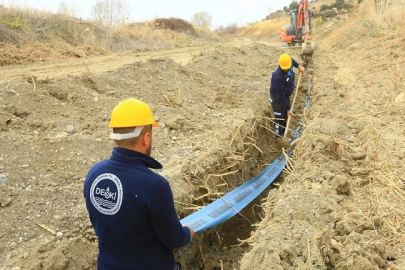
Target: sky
x=223, y=12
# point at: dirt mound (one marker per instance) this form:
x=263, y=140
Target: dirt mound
x=58, y=253
x=22, y=55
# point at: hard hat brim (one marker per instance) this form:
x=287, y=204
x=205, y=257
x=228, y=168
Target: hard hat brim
x=285, y=67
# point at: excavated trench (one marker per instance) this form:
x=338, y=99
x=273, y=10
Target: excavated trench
x=223, y=246
x=219, y=247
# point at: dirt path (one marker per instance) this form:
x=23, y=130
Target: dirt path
x=99, y=64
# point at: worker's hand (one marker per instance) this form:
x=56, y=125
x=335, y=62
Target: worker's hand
x=191, y=231
x=301, y=68
x=289, y=113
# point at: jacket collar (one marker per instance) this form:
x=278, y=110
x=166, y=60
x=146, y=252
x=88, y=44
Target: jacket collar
x=133, y=157
x=286, y=74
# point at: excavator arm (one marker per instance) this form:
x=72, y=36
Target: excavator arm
x=302, y=26
x=304, y=21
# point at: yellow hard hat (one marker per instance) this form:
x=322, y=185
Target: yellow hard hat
x=132, y=113
x=285, y=61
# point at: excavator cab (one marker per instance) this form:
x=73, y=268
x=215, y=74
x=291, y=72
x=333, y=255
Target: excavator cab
x=293, y=19
x=290, y=33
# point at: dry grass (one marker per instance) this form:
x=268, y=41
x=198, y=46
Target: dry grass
x=386, y=191
x=264, y=28
x=175, y=24
x=386, y=13
x=369, y=19
x=140, y=37
x=25, y=26
x=373, y=34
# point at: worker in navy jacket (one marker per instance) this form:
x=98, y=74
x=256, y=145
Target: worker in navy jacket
x=281, y=88
x=130, y=206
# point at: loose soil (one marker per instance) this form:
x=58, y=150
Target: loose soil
x=339, y=206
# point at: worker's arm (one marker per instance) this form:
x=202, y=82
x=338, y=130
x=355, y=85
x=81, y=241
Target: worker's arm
x=297, y=65
x=301, y=68
x=165, y=221
x=191, y=231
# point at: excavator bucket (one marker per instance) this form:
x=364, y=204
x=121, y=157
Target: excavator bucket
x=307, y=48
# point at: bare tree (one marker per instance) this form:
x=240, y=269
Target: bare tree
x=65, y=10
x=111, y=12
x=202, y=19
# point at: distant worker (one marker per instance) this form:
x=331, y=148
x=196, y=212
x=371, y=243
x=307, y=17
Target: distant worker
x=281, y=88
x=130, y=206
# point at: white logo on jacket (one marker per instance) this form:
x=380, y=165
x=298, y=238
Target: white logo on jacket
x=106, y=194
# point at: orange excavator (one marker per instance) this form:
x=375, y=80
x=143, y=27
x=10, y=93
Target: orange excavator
x=298, y=33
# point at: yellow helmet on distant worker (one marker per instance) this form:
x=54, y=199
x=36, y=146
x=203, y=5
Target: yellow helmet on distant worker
x=285, y=61
x=132, y=113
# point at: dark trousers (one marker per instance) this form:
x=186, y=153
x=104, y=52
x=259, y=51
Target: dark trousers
x=280, y=115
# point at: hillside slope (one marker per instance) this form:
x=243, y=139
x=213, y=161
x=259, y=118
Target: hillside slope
x=343, y=205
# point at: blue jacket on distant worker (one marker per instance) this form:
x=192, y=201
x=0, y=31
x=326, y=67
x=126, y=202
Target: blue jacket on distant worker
x=281, y=88
x=131, y=207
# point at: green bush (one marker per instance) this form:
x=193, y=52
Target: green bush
x=347, y=6
x=338, y=5
x=328, y=14
x=319, y=23
x=324, y=7
x=12, y=22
